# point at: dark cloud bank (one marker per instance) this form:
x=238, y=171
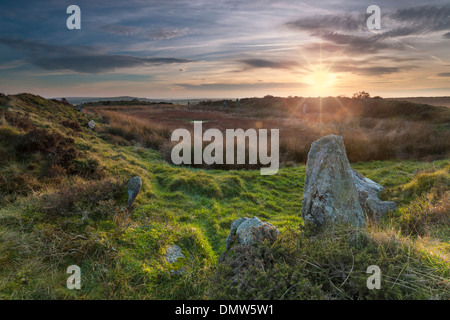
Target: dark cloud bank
x=80, y=59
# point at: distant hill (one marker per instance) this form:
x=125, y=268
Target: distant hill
x=433, y=101
x=82, y=100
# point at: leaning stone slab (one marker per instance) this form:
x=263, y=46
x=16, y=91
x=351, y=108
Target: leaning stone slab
x=248, y=231
x=330, y=195
x=134, y=185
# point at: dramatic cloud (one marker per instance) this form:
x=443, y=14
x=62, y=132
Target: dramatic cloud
x=415, y=20
x=99, y=63
x=241, y=48
x=369, y=71
x=436, y=18
x=358, y=44
x=351, y=31
x=144, y=33
x=81, y=59
x=419, y=20
x=122, y=30
x=237, y=86
x=261, y=63
x=335, y=22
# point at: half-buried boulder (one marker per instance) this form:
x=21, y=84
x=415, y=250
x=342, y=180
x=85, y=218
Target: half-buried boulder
x=173, y=253
x=246, y=231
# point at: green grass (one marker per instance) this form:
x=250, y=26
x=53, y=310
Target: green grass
x=121, y=252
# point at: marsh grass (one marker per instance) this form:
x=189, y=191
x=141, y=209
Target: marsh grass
x=372, y=129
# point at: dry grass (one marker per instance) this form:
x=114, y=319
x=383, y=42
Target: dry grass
x=132, y=128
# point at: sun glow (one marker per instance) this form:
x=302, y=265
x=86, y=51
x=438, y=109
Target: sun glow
x=322, y=79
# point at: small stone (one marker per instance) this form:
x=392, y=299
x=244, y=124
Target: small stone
x=134, y=186
x=91, y=124
x=173, y=253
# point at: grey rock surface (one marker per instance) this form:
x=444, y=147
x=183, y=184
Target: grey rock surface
x=173, y=253
x=91, y=124
x=249, y=231
x=334, y=192
x=368, y=196
x=134, y=185
x=330, y=195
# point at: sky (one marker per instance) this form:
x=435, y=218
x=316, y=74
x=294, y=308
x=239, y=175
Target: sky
x=177, y=49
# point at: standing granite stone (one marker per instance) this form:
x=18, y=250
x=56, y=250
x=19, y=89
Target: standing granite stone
x=330, y=195
x=248, y=231
x=134, y=185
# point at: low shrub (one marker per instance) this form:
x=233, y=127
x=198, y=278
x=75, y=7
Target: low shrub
x=15, y=181
x=85, y=199
x=74, y=125
x=18, y=120
x=330, y=264
x=57, y=149
x=88, y=168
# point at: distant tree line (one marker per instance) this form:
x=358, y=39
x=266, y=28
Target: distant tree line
x=134, y=102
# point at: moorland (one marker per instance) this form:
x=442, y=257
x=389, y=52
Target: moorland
x=63, y=201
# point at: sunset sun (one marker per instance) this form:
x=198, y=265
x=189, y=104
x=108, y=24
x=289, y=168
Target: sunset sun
x=321, y=79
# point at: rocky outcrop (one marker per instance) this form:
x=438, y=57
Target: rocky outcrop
x=248, y=231
x=334, y=192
